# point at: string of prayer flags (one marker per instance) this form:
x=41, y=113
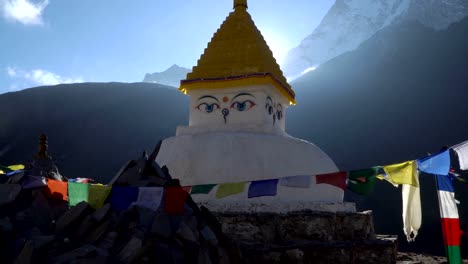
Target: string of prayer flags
x=438, y=164
x=57, y=189
x=337, y=179
x=98, y=194
x=402, y=173
x=228, y=189
x=462, y=153
x=263, y=188
x=202, y=189
x=302, y=181
x=362, y=181
x=77, y=192
x=150, y=197
x=449, y=217
x=122, y=197
x=175, y=200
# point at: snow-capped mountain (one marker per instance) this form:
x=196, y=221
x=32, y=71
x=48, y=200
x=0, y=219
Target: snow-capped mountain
x=171, y=76
x=350, y=22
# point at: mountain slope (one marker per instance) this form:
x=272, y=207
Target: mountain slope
x=93, y=128
x=350, y=22
x=171, y=76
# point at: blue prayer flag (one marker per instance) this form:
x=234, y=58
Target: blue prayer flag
x=445, y=183
x=263, y=188
x=438, y=164
x=122, y=197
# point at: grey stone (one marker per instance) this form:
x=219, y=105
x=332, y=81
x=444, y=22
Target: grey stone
x=26, y=255
x=9, y=193
x=72, y=215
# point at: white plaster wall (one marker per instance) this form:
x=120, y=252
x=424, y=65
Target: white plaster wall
x=257, y=114
x=221, y=157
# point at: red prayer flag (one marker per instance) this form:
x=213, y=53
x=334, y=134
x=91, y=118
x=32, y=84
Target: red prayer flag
x=337, y=179
x=451, y=231
x=175, y=200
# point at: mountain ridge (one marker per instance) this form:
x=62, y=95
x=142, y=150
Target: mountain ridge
x=348, y=23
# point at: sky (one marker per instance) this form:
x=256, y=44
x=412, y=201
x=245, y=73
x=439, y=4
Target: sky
x=46, y=42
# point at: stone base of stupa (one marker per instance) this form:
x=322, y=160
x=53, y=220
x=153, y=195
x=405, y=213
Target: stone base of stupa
x=308, y=237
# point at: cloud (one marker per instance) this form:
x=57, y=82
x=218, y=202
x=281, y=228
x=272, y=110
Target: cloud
x=11, y=71
x=41, y=77
x=23, y=11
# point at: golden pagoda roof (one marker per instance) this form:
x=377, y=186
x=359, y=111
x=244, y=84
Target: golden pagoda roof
x=237, y=55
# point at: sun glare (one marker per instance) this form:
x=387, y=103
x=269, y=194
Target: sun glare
x=278, y=45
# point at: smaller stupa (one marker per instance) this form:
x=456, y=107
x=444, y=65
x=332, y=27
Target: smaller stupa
x=236, y=132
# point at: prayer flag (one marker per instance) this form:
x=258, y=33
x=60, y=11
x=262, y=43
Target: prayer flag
x=202, y=189
x=77, y=192
x=150, y=197
x=337, y=179
x=16, y=167
x=175, y=200
x=402, y=173
x=57, y=189
x=32, y=182
x=436, y=164
x=228, y=189
x=98, y=194
x=263, y=188
x=302, y=181
x=362, y=181
x=122, y=197
x=449, y=216
x=187, y=188
x=412, y=216
x=462, y=153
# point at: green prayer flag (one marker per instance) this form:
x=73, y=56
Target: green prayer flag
x=453, y=255
x=227, y=189
x=77, y=192
x=202, y=189
x=98, y=194
x=362, y=181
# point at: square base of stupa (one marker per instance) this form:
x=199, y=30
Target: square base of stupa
x=308, y=236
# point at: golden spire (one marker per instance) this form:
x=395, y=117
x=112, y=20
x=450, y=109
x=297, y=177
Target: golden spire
x=237, y=55
x=240, y=3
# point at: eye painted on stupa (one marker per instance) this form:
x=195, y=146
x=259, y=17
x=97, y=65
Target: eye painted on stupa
x=279, y=112
x=208, y=106
x=205, y=107
x=240, y=104
x=243, y=106
x=269, y=105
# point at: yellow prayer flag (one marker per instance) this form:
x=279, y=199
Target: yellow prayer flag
x=227, y=189
x=1, y=172
x=16, y=167
x=402, y=173
x=98, y=194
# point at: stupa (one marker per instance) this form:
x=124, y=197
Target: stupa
x=236, y=131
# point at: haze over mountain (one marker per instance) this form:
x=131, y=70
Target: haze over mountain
x=171, y=76
x=399, y=95
x=350, y=22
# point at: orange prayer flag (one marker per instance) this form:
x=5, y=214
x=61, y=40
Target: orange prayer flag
x=57, y=189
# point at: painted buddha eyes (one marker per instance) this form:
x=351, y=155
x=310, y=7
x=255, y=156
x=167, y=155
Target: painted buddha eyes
x=242, y=106
x=208, y=108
